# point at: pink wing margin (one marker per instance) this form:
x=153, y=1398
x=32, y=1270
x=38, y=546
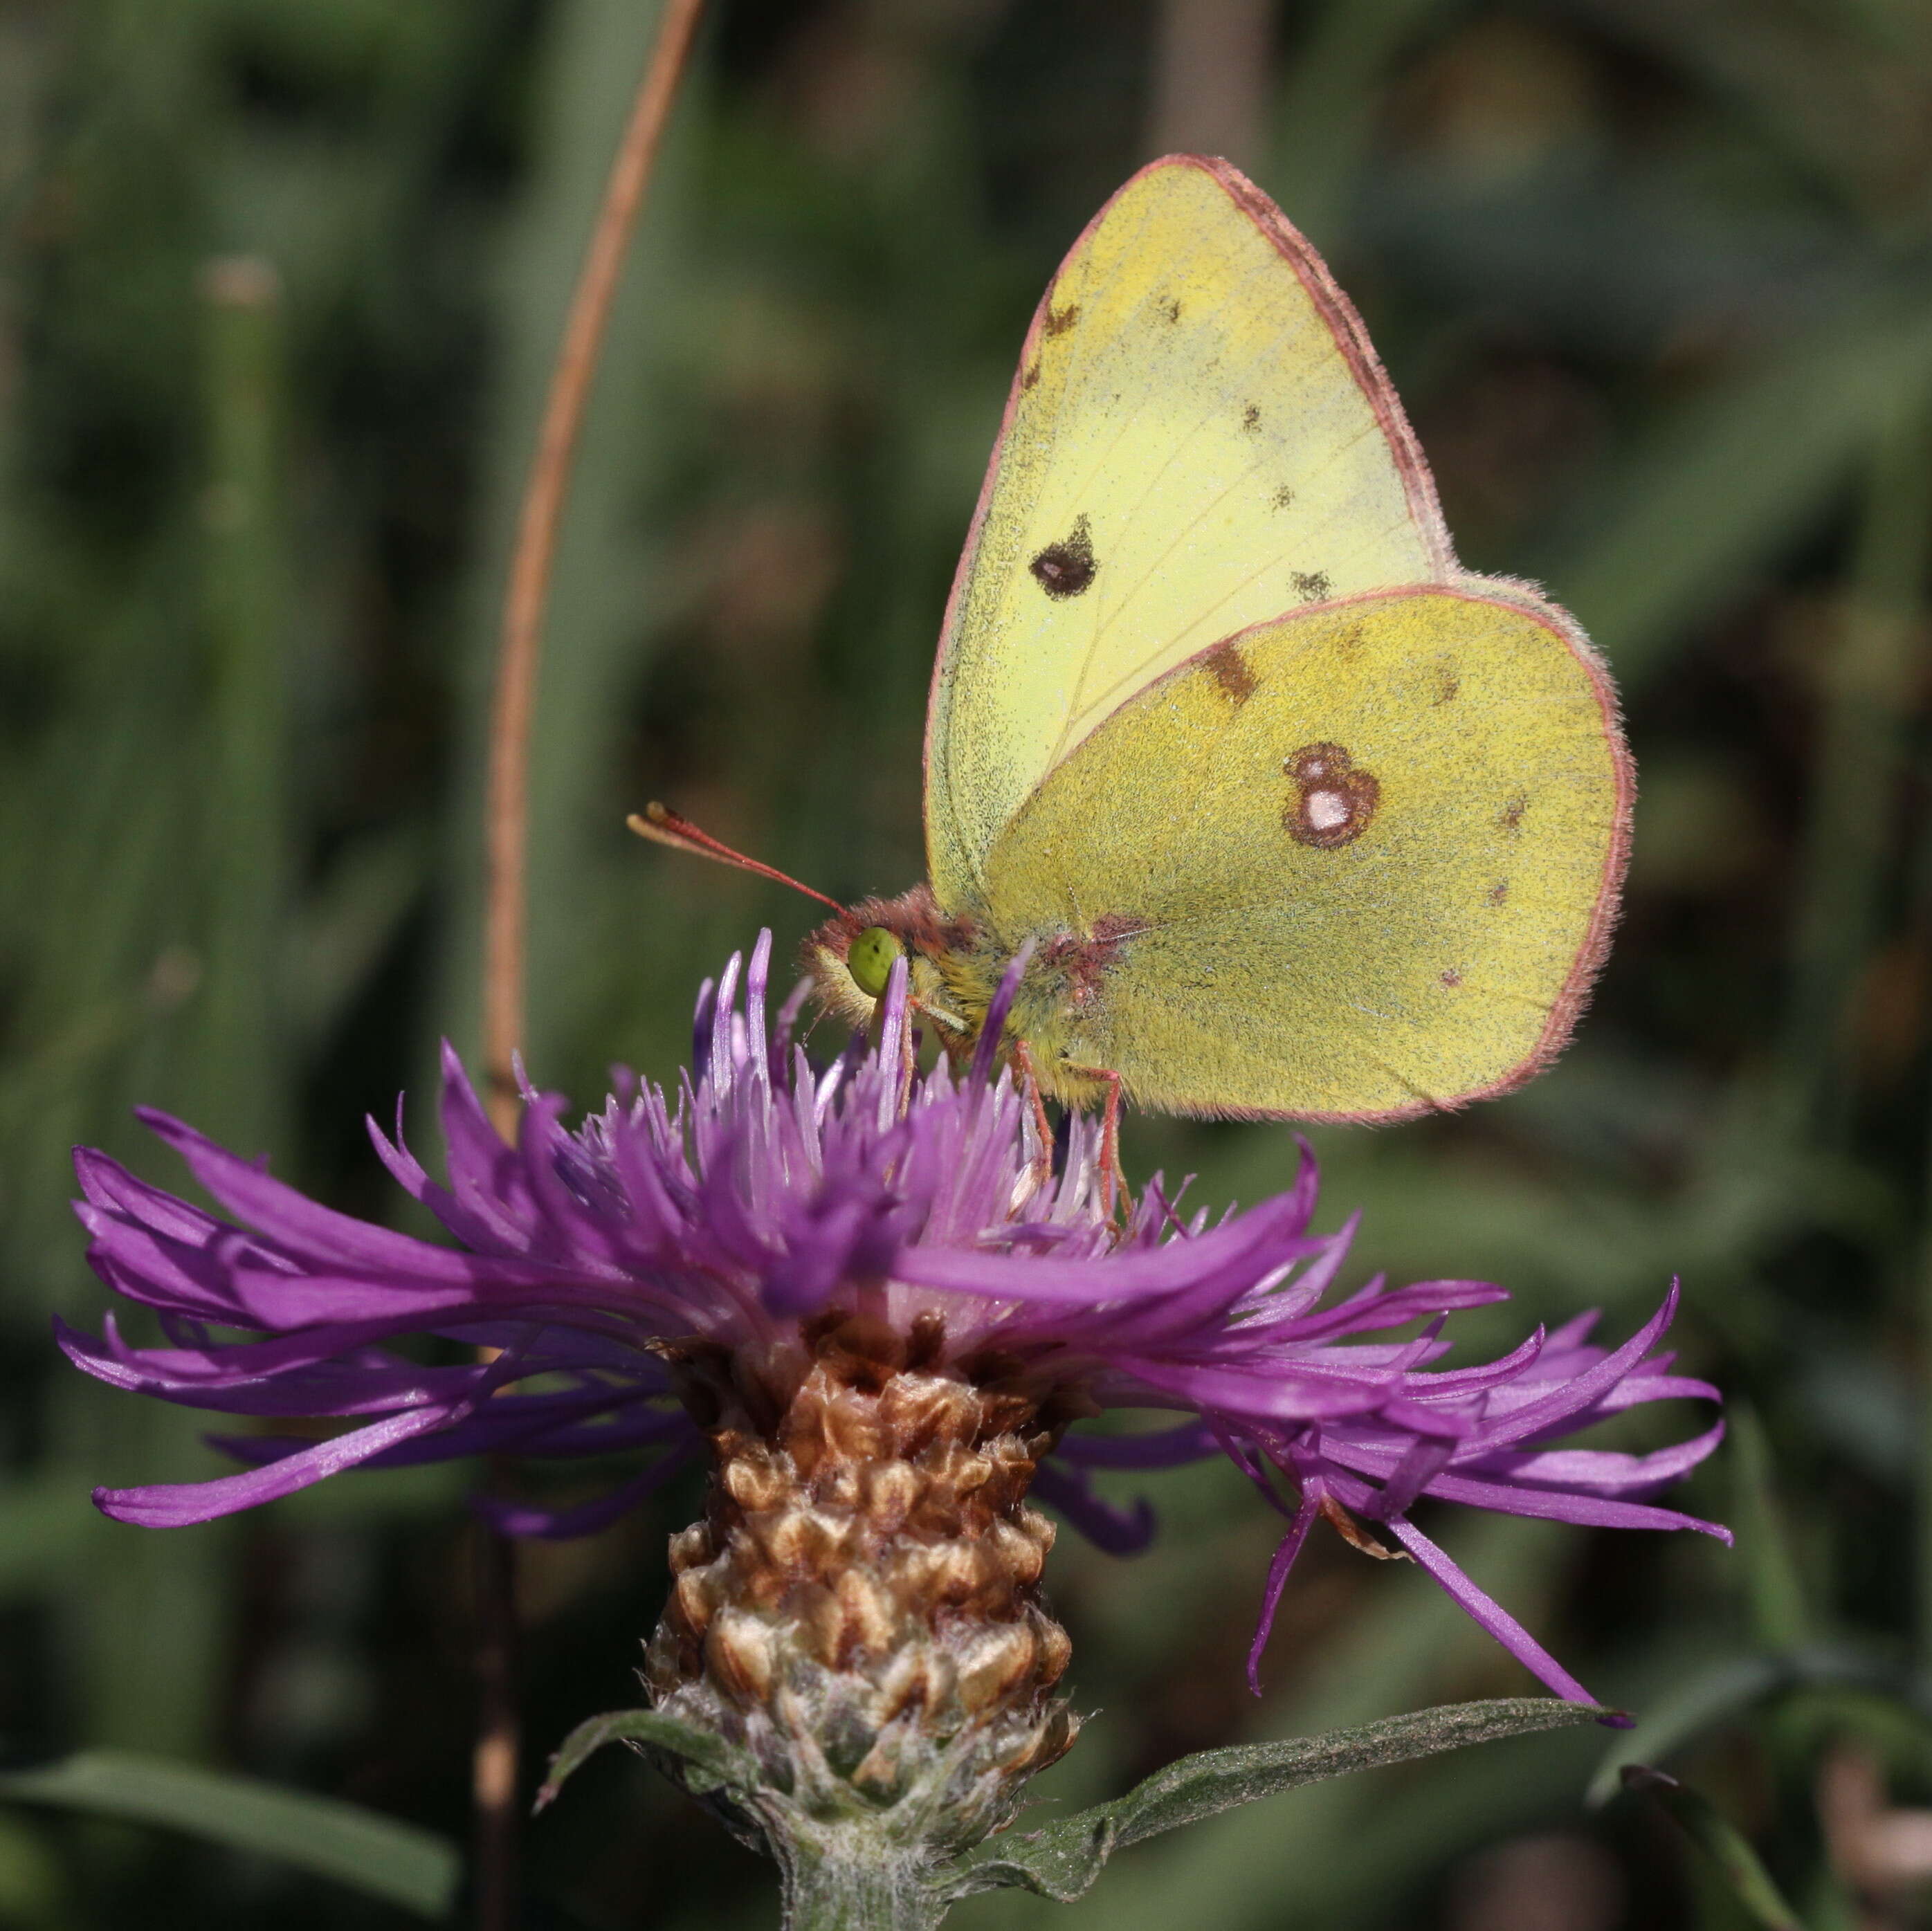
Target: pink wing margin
x=1351, y=337
x=1575, y=995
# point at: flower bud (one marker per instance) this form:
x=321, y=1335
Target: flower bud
x=860, y=1608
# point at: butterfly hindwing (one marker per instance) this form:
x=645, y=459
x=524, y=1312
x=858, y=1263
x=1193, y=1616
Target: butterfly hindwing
x=1356, y=863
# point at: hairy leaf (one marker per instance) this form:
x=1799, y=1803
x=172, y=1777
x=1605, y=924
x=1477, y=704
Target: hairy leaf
x=717, y=1763
x=1062, y=1860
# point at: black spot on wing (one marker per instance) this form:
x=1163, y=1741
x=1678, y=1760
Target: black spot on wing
x=1066, y=568
x=1169, y=309
x=1251, y=417
x=1311, y=585
x=1282, y=498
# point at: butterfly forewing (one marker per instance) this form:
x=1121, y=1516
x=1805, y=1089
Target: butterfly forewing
x=1198, y=438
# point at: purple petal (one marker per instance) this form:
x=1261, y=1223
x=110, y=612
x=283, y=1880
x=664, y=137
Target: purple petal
x=993, y=1027
x=1558, y=1505
x=1118, y=1531
x=1491, y=1616
x=1611, y=1471
x=1585, y=1387
x=1286, y=1551
x=173, y=1504
x=1169, y=1448
x=526, y=1519
x=305, y=1229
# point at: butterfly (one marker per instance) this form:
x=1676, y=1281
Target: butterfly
x=1291, y=815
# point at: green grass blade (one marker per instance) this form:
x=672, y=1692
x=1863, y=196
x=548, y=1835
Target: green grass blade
x=1714, y=489
x=406, y=1865
x=1780, y=1618
x=1730, y=1690
x=238, y=1057
x=1867, y=666
x=1721, y=1840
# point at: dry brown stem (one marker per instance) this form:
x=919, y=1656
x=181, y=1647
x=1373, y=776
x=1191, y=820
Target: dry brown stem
x=507, y=812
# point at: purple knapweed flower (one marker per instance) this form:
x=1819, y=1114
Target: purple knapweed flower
x=605, y=1278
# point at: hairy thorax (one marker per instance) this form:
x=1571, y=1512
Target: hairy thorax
x=956, y=964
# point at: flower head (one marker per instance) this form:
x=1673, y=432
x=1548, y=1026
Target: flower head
x=676, y=1269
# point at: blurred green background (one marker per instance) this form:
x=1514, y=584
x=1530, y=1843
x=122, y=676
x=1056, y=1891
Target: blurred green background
x=280, y=282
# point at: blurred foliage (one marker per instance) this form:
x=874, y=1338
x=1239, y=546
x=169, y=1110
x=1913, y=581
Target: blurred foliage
x=280, y=281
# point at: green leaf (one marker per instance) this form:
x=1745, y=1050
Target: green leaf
x=1234, y=1871
x=1062, y=1860
x=1718, y=1696
x=377, y=1855
x=1721, y=1840
x=719, y=1764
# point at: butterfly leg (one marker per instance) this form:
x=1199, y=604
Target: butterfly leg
x=908, y=1059
x=1042, y=1165
x=1112, y=1180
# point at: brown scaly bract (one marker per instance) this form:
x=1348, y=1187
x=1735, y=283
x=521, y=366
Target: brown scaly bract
x=860, y=1606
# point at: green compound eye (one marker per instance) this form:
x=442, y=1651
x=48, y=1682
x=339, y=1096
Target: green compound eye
x=869, y=959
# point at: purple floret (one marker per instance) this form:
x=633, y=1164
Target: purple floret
x=768, y=1190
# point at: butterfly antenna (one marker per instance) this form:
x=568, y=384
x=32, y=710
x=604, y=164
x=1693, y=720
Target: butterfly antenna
x=664, y=826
